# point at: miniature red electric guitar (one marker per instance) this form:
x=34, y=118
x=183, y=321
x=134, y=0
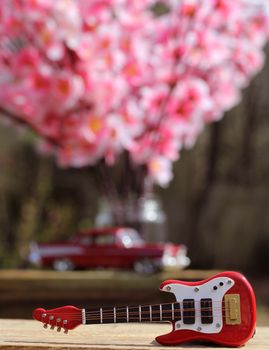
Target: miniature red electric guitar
x=221, y=310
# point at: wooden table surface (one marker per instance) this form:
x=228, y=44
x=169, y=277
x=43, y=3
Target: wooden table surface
x=28, y=334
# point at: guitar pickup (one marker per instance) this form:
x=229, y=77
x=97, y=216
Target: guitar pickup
x=232, y=309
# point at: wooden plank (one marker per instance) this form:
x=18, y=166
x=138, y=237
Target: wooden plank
x=27, y=335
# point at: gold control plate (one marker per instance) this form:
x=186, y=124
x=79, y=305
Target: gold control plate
x=232, y=309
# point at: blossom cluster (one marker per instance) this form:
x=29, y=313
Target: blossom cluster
x=95, y=78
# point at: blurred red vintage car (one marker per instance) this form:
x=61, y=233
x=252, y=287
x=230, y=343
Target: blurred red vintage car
x=108, y=248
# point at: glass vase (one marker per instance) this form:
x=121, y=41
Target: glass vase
x=145, y=214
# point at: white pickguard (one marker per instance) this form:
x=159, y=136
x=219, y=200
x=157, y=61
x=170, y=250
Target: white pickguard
x=197, y=293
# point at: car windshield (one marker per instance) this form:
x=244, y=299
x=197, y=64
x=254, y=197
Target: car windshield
x=104, y=239
x=129, y=237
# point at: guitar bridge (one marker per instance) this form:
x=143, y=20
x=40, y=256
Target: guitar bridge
x=232, y=309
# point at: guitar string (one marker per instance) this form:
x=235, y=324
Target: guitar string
x=123, y=312
x=143, y=313
x=144, y=317
x=123, y=308
x=125, y=321
x=111, y=311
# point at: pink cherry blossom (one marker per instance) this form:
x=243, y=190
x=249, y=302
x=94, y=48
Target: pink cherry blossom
x=160, y=169
x=99, y=78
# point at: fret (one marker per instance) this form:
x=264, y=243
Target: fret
x=177, y=311
x=114, y=315
x=155, y=313
x=173, y=312
x=83, y=312
x=127, y=314
x=140, y=313
x=101, y=315
x=134, y=314
x=161, y=313
x=166, y=312
x=92, y=316
x=106, y=315
x=145, y=314
x=150, y=313
x=121, y=314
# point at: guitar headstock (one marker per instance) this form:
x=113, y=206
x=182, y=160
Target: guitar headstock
x=66, y=317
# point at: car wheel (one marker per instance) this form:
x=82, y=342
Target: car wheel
x=145, y=267
x=63, y=265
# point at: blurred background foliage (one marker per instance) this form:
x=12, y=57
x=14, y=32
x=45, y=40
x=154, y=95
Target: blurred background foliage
x=217, y=204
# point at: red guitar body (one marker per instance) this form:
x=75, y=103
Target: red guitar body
x=230, y=335
x=220, y=310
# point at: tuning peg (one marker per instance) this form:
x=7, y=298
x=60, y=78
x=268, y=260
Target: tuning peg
x=52, y=327
x=59, y=329
x=66, y=331
x=45, y=325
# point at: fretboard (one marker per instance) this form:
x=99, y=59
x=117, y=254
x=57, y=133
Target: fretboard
x=125, y=314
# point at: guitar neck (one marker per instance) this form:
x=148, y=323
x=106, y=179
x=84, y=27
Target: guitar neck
x=127, y=314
